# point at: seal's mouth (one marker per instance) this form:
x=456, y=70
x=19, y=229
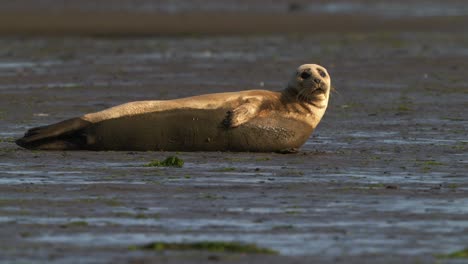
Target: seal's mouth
x=319, y=89
x=310, y=94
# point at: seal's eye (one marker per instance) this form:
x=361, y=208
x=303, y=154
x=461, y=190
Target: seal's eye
x=322, y=73
x=305, y=75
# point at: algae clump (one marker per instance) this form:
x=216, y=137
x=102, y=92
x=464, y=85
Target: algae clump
x=211, y=246
x=457, y=254
x=172, y=161
x=227, y=169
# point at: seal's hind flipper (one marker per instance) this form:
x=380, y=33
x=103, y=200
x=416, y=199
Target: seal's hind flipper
x=62, y=135
x=55, y=144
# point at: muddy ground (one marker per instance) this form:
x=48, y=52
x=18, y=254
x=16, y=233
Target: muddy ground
x=382, y=179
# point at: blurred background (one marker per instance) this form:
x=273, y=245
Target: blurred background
x=123, y=17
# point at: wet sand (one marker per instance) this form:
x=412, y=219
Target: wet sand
x=383, y=178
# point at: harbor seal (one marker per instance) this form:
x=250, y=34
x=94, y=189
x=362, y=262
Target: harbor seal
x=252, y=120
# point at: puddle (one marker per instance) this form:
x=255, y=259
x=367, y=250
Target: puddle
x=264, y=210
x=36, y=86
x=362, y=134
x=199, y=56
x=377, y=8
x=167, y=224
x=420, y=141
x=62, y=178
x=26, y=64
x=373, y=176
x=352, y=176
x=286, y=244
x=241, y=225
x=457, y=206
x=391, y=9
x=376, y=85
x=5, y=134
x=304, y=243
x=14, y=65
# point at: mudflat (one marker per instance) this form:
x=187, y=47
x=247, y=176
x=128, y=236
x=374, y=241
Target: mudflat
x=382, y=179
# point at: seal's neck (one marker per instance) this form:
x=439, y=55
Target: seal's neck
x=289, y=92
x=319, y=101
x=313, y=111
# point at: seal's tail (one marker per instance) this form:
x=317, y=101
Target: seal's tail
x=65, y=135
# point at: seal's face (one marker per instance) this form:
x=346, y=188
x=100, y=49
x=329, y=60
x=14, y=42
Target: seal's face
x=311, y=83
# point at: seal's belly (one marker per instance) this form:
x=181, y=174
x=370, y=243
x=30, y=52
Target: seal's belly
x=195, y=130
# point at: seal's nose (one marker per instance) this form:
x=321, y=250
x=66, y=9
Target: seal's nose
x=317, y=81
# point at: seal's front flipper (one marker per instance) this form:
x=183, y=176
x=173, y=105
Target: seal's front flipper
x=63, y=135
x=242, y=114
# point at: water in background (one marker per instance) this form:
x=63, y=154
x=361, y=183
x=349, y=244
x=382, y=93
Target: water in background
x=379, y=8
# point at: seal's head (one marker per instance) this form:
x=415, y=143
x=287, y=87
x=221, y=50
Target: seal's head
x=311, y=83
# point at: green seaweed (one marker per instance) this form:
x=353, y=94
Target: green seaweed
x=432, y=163
x=457, y=254
x=226, y=169
x=211, y=246
x=452, y=186
x=427, y=165
x=7, y=140
x=208, y=196
x=463, y=145
x=141, y=216
x=25, y=234
x=403, y=108
x=455, y=119
x=113, y=202
x=293, y=172
x=172, y=161
x=376, y=186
